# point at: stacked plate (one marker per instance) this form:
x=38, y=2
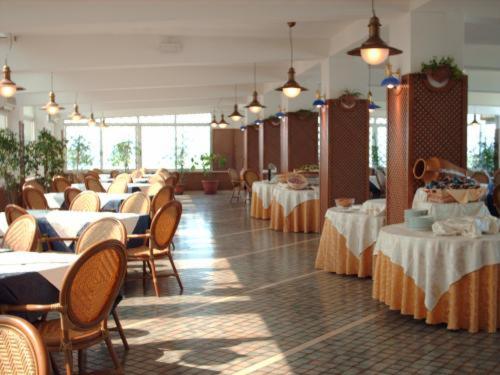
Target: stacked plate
x=421, y=223
x=414, y=213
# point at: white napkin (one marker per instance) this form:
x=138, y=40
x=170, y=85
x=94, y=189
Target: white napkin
x=467, y=226
x=374, y=207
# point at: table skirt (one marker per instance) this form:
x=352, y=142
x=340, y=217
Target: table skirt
x=472, y=303
x=334, y=256
x=304, y=218
x=257, y=210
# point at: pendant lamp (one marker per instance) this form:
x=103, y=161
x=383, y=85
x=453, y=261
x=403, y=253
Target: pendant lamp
x=76, y=115
x=254, y=106
x=7, y=87
x=92, y=122
x=52, y=108
x=222, y=123
x=236, y=116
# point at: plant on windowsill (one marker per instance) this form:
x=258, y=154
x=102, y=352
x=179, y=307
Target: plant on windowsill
x=180, y=163
x=9, y=164
x=121, y=156
x=206, y=161
x=79, y=153
x=442, y=70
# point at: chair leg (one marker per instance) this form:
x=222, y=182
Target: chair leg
x=53, y=364
x=151, y=263
x=175, y=271
x=120, y=328
x=81, y=361
x=112, y=353
x=68, y=361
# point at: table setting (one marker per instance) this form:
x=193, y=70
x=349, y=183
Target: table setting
x=132, y=186
x=109, y=201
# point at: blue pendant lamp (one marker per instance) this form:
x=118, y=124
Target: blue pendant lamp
x=280, y=114
x=243, y=128
x=391, y=79
x=258, y=122
x=319, y=101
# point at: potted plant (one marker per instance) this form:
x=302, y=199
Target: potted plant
x=9, y=163
x=121, y=156
x=79, y=153
x=180, y=162
x=442, y=70
x=210, y=183
x=348, y=97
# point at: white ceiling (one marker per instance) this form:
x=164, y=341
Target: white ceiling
x=149, y=56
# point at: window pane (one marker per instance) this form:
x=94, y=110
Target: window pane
x=194, y=118
x=92, y=137
x=195, y=140
x=113, y=135
x=160, y=119
x=158, y=147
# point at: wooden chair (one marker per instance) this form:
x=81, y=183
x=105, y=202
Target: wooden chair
x=161, y=198
x=156, y=178
x=171, y=180
x=155, y=188
x=163, y=173
x=87, y=201
x=481, y=177
x=249, y=177
x=34, y=199
x=88, y=293
x=124, y=177
x=22, y=348
x=382, y=181
x=22, y=234
x=496, y=198
x=92, y=174
x=163, y=228
x=118, y=187
x=114, y=173
x=137, y=203
x=59, y=184
x=93, y=184
x=97, y=170
x=70, y=194
x=34, y=184
x=177, y=176
x=13, y=211
x=136, y=174
x=496, y=177
x=236, y=182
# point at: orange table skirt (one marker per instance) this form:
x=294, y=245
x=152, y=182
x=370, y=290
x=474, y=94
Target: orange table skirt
x=334, y=256
x=471, y=303
x=304, y=218
x=257, y=209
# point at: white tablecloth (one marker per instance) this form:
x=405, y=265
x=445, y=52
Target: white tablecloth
x=55, y=200
x=442, y=211
x=289, y=198
x=52, y=266
x=134, y=186
x=359, y=228
x=264, y=190
x=435, y=263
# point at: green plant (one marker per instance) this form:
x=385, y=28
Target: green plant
x=180, y=162
x=206, y=161
x=9, y=160
x=484, y=158
x=121, y=155
x=433, y=64
x=48, y=152
x=79, y=153
x=347, y=92
x=221, y=161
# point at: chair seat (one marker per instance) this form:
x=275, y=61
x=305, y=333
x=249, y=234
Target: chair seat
x=142, y=252
x=51, y=333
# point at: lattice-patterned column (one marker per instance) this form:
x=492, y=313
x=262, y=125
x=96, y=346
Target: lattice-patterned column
x=423, y=121
x=344, y=155
x=269, y=143
x=251, y=148
x=299, y=140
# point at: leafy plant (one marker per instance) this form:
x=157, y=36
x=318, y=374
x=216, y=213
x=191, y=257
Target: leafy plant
x=180, y=162
x=79, y=153
x=434, y=64
x=122, y=155
x=206, y=161
x=9, y=160
x=484, y=159
x=46, y=152
x=347, y=92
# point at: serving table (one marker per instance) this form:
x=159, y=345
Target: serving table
x=132, y=187
x=348, y=238
x=109, y=202
x=262, y=195
x=442, y=279
x=295, y=210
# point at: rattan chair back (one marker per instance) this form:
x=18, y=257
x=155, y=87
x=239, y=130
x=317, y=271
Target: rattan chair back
x=177, y=176
x=155, y=188
x=156, y=178
x=481, y=177
x=161, y=198
x=93, y=184
x=137, y=203
x=70, y=194
x=87, y=201
x=114, y=173
x=163, y=172
x=34, y=184
x=233, y=176
x=59, y=184
x=22, y=350
x=92, y=174
x=118, y=187
x=92, y=283
x=124, y=177
x=250, y=177
x=34, y=199
x=22, y=234
x=136, y=174
x=171, y=180
x=13, y=211
x=108, y=228
x=165, y=223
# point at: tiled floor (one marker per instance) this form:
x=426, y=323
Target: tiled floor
x=254, y=304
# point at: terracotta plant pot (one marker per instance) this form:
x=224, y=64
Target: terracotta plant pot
x=210, y=186
x=179, y=189
x=440, y=74
x=434, y=169
x=348, y=100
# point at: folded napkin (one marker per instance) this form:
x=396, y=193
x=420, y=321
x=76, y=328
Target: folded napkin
x=374, y=207
x=468, y=226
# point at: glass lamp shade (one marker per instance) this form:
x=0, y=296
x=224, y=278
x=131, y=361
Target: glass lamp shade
x=258, y=122
x=8, y=88
x=280, y=114
x=243, y=128
x=372, y=106
x=92, y=121
x=76, y=115
x=222, y=123
x=254, y=106
x=390, y=82
x=291, y=89
x=214, y=124
x=374, y=56
x=236, y=116
x=52, y=108
x=318, y=103
x=292, y=92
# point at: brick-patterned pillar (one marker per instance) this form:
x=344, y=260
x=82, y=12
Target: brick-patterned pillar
x=423, y=121
x=251, y=148
x=344, y=155
x=269, y=143
x=299, y=140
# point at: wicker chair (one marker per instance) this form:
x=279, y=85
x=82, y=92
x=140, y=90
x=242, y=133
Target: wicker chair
x=70, y=194
x=59, y=184
x=87, y=201
x=163, y=172
x=382, y=181
x=155, y=188
x=177, y=176
x=34, y=199
x=93, y=184
x=92, y=174
x=236, y=182
x=22, y=348
x=156, y=178
x=171, y=180
x=88, y=293
x=13, y=211
x=496, y=177
x=136, y=174
x=163, y=228
x=118, y=187
x=137, y=203
x=124, y=177
x=114, y=173
x=481, y=177
x=34, y=184
x=249, y=177
x=161, y=198
x=22, y=234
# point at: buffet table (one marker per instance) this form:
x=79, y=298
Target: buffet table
x=295, y=210
x=442, y=279
x=348, y=238
x=262, y=195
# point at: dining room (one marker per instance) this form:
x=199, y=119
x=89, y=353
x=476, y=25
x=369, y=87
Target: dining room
x=250, y=187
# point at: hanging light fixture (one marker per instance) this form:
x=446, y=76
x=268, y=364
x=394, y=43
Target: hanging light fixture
x=474, y=121
x=258, y=122
x=76, y=115
x=371, y=104
x=319, y=101
x=280, y=114
x=254, y=106
x=7, y=87
x=52, y=108
x=102, y=123
x=374, y=50
x=214, y=122
x=291, y=88
x=92, y=122
x=243, y=128
x=236, y=116
x=391, y=79
x=222, y=123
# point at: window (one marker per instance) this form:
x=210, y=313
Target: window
x=113, y=135
x=92, y=136
x=195, y=140
x=378, y=142
x=3, y=121
x=481, y=143
x=158, y=146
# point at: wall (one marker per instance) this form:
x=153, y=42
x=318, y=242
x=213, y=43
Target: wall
x=270, y=144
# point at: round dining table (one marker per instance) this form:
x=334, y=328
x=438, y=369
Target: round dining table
x=262, y=195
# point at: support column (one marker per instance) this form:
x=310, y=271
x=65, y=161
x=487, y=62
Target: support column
x=251, y=148
x=269, y=143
